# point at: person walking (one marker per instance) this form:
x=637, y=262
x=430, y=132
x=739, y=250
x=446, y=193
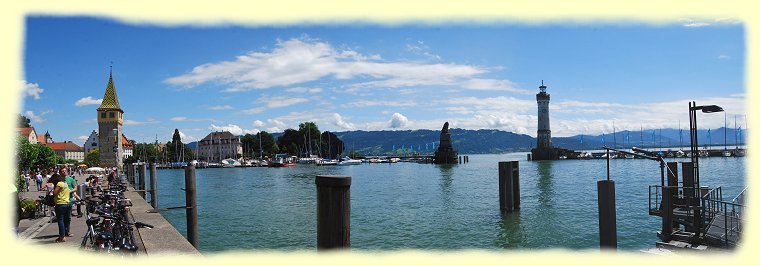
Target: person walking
x=71, y=182
x=27, y=181
x=38, y=178
x=61, y=194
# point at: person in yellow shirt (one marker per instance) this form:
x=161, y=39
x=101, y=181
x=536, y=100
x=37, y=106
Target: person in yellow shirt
x=62, y=207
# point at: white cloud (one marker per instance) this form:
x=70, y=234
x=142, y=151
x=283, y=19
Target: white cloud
x=258, y=123
x=31, y=89
x=369, y=103
x=128, y=122
x=398, y=121
x=297, y=61
x=87, y=101
x=304, y=90
x=724, y=57
x=421, y=48
x=36, y=118
x=339, y=122
x=274, y=102
x=82, y=138
x=234, y=129
x=186, y=138
x=220, y=107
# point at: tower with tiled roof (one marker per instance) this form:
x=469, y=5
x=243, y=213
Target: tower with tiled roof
x=110, y=119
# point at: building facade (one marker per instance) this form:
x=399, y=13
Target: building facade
x=110, y=120
x=93, y=140
x=218, y=146
x=29, y=134
x=68, y=150
x=91, y=143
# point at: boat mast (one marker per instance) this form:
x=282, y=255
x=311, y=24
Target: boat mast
x=725, y=127
x=261, y=152
x=736, y=136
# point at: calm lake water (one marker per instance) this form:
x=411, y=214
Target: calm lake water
x=430, y=207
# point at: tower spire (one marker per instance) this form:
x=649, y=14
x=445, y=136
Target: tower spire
x=110, y=100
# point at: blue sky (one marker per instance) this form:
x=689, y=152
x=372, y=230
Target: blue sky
x=374, y=77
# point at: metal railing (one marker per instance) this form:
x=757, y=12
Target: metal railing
x=725, y=221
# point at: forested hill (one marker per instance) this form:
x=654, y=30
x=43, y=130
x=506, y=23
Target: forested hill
x=465, y=141
x=497, y=141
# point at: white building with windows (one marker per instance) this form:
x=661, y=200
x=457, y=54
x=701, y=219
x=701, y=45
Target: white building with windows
x=92, y=143
x=218, y=146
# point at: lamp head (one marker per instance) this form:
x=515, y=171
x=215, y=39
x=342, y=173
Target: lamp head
x=711, y=109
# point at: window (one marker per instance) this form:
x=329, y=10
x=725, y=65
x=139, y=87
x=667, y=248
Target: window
x=110, y=114
x=94, y=144
x=102, y=114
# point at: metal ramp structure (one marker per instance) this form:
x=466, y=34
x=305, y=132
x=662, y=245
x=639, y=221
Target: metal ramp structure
x=725, y=219
x=697, y=223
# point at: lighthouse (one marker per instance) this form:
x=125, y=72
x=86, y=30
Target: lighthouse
x=544, y=149
x=544, y=134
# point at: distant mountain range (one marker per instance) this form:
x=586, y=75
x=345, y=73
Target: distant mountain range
x=497, y=141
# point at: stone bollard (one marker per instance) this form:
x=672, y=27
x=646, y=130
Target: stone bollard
x=607, y=216
x=153, y=190
x=191, y=207
x=333, y=212
x=509, y=186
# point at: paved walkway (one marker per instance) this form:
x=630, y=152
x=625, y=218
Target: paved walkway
x=162, y=239
x=45, y=230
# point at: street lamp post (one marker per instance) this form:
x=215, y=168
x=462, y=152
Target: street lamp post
x=693, y=108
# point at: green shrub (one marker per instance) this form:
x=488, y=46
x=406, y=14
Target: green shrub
x=26, y=208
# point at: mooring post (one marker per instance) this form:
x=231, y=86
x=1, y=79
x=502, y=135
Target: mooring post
x=515, y=185
x=460, y=159
x=333, y=212
x=509, y=186
x=143, y=178
x=690, y=193
x=130, y=172
x=672, y=174
x=607, y=216
x=529, y=157
x=667, y=213
x=153, y=191
x=192, y=208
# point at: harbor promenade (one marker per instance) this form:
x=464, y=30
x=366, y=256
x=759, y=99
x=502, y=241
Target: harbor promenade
x=162, y=239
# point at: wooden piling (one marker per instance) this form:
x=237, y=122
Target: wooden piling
x=141, y=185
x=460, y=159
x=191, y=207
x=509, y=186
x=607, y=215
x=667, y=213
x=333, y=212
x=529, y=157
x=672, y=174
x=153, y=190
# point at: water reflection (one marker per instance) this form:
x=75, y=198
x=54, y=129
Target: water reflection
x=446, y=177
x=545, y=185
x=510, y=231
